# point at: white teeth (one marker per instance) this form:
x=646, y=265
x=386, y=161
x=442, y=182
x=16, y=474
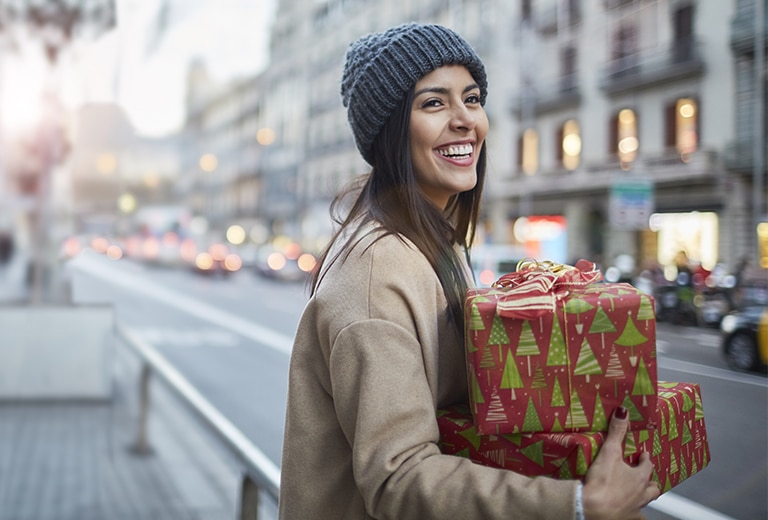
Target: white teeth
x=456, y=150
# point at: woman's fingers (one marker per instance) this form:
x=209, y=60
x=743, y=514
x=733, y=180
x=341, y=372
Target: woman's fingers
x=613, y=489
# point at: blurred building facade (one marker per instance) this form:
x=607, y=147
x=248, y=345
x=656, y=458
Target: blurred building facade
x=618, y=126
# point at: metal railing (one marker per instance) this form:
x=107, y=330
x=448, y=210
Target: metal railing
x=261, y=474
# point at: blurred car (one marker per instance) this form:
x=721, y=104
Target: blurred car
x=287, y=263
x=216, y=259
x=745, y=338
x=102, y=244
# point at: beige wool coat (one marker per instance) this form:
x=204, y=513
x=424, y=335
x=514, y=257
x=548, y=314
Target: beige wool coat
x=374, y=356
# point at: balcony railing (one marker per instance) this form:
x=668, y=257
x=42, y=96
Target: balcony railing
x=645, y=69
x=550, y=94
x=740, y=156
x=743, y=29
x=666, y=167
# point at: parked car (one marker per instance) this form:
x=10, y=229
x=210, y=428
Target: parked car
x=745, y=338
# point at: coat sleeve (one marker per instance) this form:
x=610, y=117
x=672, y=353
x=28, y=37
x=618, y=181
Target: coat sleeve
x=386, y=410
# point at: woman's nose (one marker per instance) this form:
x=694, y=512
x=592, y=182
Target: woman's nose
x=462, y=117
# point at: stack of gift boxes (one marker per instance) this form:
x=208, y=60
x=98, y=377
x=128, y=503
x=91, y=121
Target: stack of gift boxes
x=551, y=352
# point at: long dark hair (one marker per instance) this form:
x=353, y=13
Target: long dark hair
x=390, y=197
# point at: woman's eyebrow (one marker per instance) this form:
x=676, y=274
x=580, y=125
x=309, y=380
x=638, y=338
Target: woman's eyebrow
x=443, y=90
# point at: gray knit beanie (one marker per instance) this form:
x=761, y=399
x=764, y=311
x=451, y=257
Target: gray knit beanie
x=382, y=67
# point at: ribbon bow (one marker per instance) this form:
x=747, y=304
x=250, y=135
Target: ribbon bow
x=534, y=289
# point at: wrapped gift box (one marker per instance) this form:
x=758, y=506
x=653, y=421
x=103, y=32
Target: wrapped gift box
x=554, y=352
x=677, y=443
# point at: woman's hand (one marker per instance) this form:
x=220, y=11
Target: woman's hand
x=614, y=489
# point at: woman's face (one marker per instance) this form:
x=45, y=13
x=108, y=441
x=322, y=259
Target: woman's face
x=447, y=130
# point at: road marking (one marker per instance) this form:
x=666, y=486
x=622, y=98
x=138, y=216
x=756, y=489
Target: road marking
x=174, y=337
x=713, y=372
x=267, y=337
x=682, y=508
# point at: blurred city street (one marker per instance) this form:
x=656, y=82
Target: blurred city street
x=214, y=331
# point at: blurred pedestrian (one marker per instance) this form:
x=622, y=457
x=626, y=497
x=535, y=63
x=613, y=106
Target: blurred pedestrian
x=380, y=344
x=7, y=248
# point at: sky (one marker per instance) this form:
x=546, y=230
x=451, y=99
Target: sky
x=142, y=63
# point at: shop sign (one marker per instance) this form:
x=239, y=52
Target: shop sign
x=631, y=204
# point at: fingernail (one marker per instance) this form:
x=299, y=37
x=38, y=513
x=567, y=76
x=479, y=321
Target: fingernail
x=620, y=413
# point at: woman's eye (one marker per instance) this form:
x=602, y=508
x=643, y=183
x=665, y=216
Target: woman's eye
x=431, y=103
x=473, y=98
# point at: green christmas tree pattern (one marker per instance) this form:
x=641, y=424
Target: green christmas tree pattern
x=599, y=418
x=609, y=296
x=602, y=324
x=688, y=403
x=643, y=385
x=556, y=356
x=672, y=423
x=496, y=411
x=538, y=382
x=581, y=462
x=527, y=345
x=486, y=360
x=532, y=422
x=475, y=322
x=472, y=437
x=634, y=413
x=576, y=419
x=673, y=467
x=645, y=312
x=535, y=452
x=477, y=394
x=510, y=377
x=557, y=395
x=686, y=437
x=699, y=408
x=614, y=370
x=586, y=363
x=498, y=332
x=656, y=443
x=631, y=337
x=565, y=472
x=577, y=306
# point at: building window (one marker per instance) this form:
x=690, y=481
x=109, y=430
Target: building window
x=683, y=34
x=569, y=145
x=682, y=132
x=528, y=151
x=568, y=68
x=526, y=10
x=625, y=50
x=574, y=11
x=624, y=141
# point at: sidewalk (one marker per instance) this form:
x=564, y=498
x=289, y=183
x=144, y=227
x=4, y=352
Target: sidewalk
x=74, y=460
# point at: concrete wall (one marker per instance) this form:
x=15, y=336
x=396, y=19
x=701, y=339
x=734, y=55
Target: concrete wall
x=56, y=352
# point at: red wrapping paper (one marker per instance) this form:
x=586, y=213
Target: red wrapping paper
x=677, y=443
x=564, y=369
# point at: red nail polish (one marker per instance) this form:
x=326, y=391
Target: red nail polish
x=620, y=413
